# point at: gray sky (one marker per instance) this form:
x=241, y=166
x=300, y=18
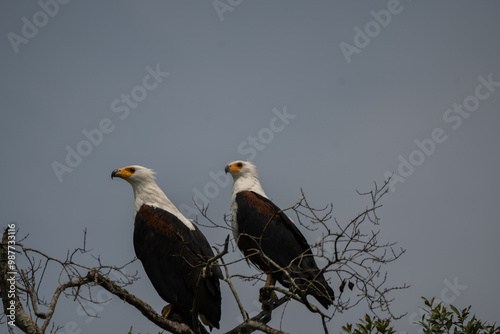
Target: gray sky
x=367, y=88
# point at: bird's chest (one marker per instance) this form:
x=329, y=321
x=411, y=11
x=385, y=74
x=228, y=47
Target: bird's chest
x=234, y=219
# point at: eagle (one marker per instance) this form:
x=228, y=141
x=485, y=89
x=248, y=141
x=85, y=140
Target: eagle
x=172, y=250
x=270, y=240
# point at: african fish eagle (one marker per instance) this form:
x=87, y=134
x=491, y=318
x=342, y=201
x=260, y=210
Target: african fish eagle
x=172, y=250
x=259, y=226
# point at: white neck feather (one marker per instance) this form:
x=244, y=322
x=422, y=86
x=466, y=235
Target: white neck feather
x=247, y=183
x=150, y=194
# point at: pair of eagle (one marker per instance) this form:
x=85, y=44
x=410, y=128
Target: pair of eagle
x=174, y=252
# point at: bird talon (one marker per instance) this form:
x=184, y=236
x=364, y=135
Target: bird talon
x=266, y=295
x=165, y=312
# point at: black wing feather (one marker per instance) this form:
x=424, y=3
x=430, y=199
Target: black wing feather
x=173, y=257
x=262, y=225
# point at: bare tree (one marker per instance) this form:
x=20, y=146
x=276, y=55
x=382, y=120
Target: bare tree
x=350, y=251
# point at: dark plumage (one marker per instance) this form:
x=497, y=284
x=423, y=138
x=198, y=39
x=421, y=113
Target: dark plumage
x=260, y=227
x=173, y=257
x=172, y=250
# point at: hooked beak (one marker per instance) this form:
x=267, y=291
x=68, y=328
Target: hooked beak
x=115, y=173
x=227, y=169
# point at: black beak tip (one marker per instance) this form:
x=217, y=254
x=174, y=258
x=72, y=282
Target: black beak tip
x=113, y=173
x=226, y=169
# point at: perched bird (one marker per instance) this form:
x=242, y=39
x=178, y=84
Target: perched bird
x=172, y=250
x=260, y=227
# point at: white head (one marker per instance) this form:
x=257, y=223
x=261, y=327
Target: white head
x=245, y=177
x=239, y=169
x=135, y=175
x=146, y=191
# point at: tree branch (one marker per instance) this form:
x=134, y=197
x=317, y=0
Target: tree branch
x=174, y=327
x=349, y=253
x=11, y=299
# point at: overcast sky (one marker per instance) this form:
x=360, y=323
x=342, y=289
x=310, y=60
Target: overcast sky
x=322, y=95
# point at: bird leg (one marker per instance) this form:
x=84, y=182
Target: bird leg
x=165, y=312
x=177, y=313
x=266, y=295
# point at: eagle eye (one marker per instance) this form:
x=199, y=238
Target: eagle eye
x=240, y=164
x=132, y=169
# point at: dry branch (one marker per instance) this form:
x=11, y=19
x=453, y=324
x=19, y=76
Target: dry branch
x=349, y=254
